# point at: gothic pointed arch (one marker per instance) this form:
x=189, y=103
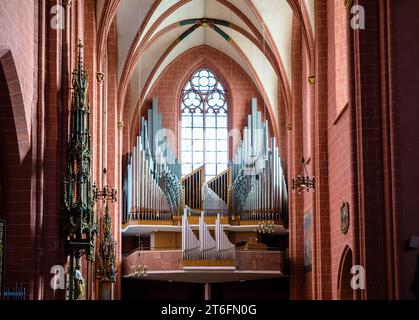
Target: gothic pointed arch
x=345, y=290
x=204, y=123
x=13, y=119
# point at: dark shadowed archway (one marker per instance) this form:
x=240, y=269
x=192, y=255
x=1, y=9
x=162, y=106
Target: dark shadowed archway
x=345, y=290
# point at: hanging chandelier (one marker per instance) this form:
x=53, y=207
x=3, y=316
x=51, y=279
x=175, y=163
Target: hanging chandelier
x=303, y=180
x=266, y=227
x=139, y=271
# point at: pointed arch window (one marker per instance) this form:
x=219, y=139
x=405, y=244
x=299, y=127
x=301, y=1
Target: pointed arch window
x=204, y=119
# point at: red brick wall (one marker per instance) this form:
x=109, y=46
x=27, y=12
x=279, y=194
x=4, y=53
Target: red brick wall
x=307, y=127
x=18, y=69
x=405, y=103
x=372, y=225
x=325, y=142
x=339, y=142
x=113, y=140
x=34, y=169
x=240, y=88
x=17, y=32
x=338, y=39
x=294, y=154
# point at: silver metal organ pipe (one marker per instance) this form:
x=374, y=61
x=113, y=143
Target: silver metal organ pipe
x=152, y=183
x=259, y=189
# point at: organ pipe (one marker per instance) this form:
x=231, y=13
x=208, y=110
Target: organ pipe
x=152, y=187
x=192, y=185
x=208, y=245
x=225, y=249
x=259, y=188
x=205, y=247
x=190, y=243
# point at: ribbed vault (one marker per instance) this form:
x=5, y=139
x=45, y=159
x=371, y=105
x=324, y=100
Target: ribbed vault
x=255, y=34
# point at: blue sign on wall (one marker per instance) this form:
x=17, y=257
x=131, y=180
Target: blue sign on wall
x=2, y=254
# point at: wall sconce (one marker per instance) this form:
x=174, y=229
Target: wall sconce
x=100, y=76
x=312, y=80
x=303, y=181
x=347, y=3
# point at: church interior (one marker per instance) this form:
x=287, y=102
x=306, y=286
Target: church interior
x=209, y=150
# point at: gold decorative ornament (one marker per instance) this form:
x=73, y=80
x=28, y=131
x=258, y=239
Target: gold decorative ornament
x=312, y=80
x=100, y=76
x=347, y=3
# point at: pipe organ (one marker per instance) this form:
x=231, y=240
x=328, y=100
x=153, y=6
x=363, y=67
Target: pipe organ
x=221, y=185
x=225, y=249
x=192, y=187
x=213, y=204
x=208, y=245
x=152, y=189
x=205, y=247
x=252, y=188
x=190, y=243
x=259, y=189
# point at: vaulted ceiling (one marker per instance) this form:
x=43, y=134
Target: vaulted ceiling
x=254, y=33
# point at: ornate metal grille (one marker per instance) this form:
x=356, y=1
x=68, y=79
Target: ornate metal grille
x=204, y=133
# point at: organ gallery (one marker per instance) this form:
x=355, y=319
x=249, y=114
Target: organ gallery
x=208, y=150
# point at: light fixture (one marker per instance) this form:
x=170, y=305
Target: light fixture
x=347, y=3
x=312, y=80
x=139, y=271
x=266, y=227
x=303, y=181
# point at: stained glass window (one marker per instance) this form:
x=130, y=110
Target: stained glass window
x=204, y=132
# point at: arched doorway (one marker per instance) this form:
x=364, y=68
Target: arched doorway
x=345, y=290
